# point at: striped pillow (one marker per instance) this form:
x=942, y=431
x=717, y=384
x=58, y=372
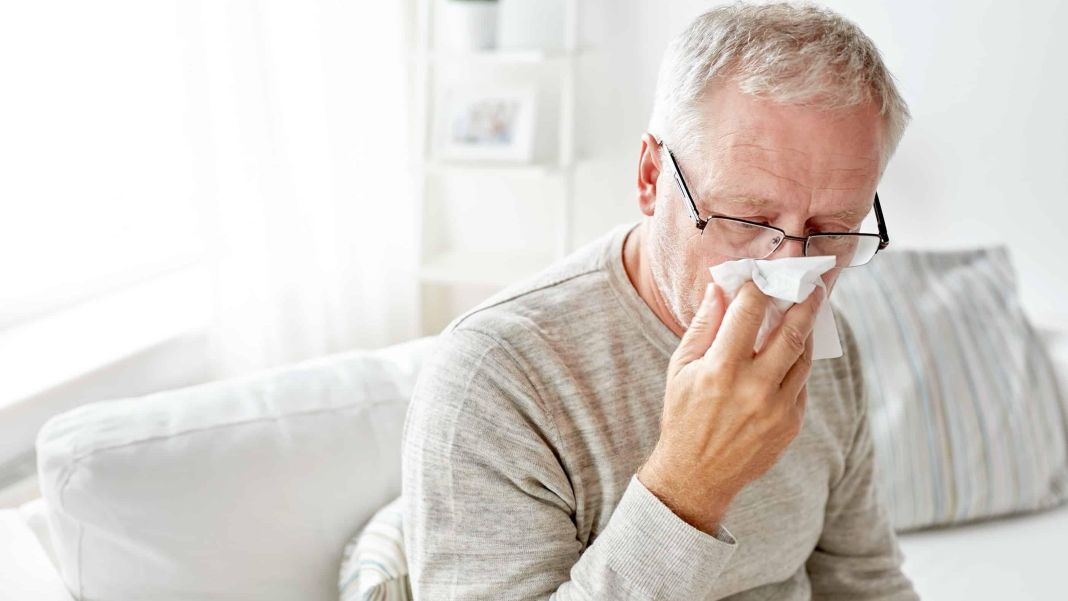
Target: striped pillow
x=373, y=566
x=966, y=415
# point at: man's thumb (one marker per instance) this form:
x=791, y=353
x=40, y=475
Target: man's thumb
x=702, y=330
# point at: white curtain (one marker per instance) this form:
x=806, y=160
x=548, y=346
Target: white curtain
x=301, y=111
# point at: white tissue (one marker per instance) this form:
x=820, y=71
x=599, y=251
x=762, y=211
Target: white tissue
x=786, y=281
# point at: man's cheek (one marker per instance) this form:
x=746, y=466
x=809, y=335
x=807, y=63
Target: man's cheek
x=830, y=278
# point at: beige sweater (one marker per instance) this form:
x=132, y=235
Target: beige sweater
x=529, y=422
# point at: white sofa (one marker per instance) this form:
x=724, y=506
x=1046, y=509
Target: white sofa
x=249, y=488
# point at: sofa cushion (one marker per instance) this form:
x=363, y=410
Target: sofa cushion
x=967, y=418
x=1019, y=557
x=242, y=489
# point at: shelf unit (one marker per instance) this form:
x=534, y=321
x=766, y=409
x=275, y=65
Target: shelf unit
x=478, y=271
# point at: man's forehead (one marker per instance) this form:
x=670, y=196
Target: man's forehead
x=751, y=127
x=749, y=170
x=767, y=143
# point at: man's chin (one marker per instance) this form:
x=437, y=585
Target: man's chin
x=684, y=315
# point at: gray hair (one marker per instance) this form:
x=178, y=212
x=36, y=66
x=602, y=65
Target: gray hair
x=789, y=53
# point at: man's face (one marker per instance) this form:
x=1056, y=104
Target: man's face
x=800, y=169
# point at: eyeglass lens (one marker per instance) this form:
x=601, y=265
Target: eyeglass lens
x=726, y=237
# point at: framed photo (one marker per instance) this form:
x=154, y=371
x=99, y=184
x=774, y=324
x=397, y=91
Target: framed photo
x=488, y=124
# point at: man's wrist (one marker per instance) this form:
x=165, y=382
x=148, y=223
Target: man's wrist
x=704, y=513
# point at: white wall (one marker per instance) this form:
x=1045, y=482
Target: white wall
x=984, y=161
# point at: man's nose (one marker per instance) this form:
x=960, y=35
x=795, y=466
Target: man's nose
x=789, y=247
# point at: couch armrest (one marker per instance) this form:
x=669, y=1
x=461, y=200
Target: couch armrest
x=26, y=570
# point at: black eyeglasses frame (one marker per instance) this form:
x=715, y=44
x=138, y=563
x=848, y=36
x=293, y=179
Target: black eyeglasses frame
x=884, y=238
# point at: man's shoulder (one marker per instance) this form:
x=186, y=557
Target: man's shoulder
x=487, y=360
x=545, y=306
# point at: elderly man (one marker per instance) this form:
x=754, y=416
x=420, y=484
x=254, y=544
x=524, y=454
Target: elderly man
x=605, y=430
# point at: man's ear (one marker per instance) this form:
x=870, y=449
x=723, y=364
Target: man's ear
x=648, y=174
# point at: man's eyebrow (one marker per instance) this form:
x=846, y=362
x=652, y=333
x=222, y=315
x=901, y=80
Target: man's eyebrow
x=756, y=202
x=749, y=202
x=847, y=214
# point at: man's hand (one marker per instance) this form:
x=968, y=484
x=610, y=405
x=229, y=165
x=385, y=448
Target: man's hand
x=729, y=413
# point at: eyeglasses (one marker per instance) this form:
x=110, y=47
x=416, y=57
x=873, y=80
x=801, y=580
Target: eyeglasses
x=742, y=239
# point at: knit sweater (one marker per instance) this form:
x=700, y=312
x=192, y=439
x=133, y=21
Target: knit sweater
x=530, y=420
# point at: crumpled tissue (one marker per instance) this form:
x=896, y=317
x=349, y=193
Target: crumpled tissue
x=787, y=281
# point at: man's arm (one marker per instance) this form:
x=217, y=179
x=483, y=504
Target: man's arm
x=490, y=511
x=857, y=556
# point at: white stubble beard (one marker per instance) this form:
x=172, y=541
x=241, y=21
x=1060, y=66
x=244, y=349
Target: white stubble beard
x=667, y=271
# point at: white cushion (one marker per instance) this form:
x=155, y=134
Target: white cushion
x=241, y=489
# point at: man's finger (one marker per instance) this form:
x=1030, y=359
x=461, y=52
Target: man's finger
x=702, y=330
x=796, y=378
x=741, y=323
x=787, y=342
x=802, y=400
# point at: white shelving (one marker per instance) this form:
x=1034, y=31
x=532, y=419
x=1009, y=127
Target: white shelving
x=449, y=268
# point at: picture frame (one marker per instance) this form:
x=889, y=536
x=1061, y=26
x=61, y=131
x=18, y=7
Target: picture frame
x=488, y=124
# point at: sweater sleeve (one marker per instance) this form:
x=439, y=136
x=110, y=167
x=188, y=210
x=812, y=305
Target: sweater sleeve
x=489, y=509
x=857, y=556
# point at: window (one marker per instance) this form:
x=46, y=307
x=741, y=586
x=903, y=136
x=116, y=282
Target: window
x=96, y=161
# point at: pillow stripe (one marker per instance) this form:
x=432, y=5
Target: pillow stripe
x=373, y=566
x=967, y=416
x=921, y=423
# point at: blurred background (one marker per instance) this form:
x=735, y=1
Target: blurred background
x=192, y=190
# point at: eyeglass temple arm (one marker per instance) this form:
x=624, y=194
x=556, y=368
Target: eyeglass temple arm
x=677, y=173
x=884, y=238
